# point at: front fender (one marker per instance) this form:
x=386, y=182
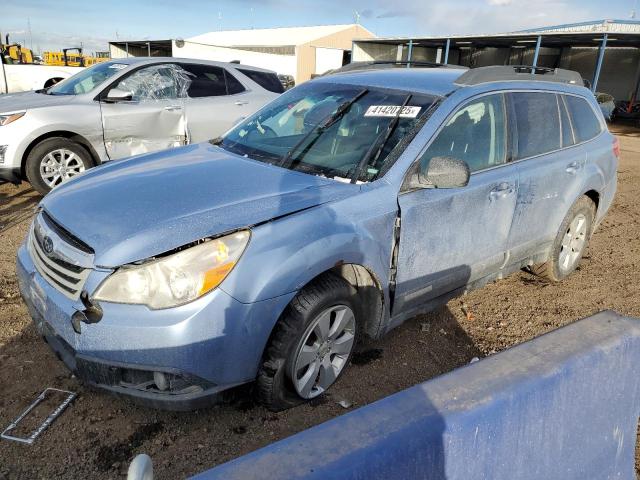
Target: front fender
x=45, y=124
x=285, y=255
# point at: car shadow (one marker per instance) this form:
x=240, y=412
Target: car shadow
x=16, y=205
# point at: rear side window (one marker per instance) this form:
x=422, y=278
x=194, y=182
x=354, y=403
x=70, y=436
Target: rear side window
x=537, y=123
x=474, y=134
x=268, y=81
x=210, y=81
x=585, y=123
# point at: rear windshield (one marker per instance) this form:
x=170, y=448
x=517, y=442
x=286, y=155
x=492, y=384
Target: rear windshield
x=338, y=131
x=268, y=81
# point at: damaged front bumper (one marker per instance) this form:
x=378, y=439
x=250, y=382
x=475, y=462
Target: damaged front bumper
x=178, y=359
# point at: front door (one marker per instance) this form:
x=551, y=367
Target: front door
x=154, y=118
x=450, y=237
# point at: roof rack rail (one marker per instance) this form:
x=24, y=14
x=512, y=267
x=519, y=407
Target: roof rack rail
x=364, y=65
x=412, y=63
x=498, y=73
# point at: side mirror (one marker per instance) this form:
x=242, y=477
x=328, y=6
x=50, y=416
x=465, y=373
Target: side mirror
x=117, y=95
x=442, y=172
x=448, y=172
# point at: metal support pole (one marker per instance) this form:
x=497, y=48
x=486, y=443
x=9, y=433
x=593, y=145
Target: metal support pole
x=4, y=72
x=446, y=51
x=596, y=75
x=126, y=47
x=634, y=93
x=536, y=53
x=148, y=49
x=409, y=53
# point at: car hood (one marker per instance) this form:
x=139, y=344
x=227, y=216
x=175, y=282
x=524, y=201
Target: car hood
x=133, y=209
x=25, y=100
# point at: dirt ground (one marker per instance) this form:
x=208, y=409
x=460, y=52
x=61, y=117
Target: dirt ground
x=99, y=434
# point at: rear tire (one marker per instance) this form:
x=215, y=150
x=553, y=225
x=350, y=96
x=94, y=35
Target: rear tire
x=300, y=364
x=54, y=161
x=570, y=244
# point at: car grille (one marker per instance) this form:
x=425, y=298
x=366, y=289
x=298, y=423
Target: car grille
x=61, y=270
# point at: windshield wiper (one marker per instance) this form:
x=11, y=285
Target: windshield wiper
x=320, y=127
x=374, y=152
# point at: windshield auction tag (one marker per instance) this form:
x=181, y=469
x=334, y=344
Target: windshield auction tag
x=392, y=111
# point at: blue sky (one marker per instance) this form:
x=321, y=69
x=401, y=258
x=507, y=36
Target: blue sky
x=66, y=23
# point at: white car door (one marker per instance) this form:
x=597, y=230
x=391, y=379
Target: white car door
x=153, y=116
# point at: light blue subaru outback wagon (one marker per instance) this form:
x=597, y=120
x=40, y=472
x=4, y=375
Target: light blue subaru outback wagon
x=347, y=205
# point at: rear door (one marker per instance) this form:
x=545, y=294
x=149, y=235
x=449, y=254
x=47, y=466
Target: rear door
x=153, y=119
x=216, y=101
x=549, y=163
x=450, y=237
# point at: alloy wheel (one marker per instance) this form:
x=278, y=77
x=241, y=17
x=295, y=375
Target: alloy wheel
x=324, y=351
x=59, y=166
x=573, y=243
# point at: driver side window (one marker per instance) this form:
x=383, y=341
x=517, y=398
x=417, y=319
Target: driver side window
x=157, y=82
x=476, y=134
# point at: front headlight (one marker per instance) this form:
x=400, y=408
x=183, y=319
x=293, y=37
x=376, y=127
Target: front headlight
x=7, y=118
x=176, y=279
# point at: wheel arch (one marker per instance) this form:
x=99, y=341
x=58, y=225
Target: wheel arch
x=371, y=297
x=59, y=133
x=594, y=195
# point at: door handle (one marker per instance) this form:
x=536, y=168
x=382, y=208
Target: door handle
x=241, y=102
x=573, y=168
x=173, y=108
x=502, y=190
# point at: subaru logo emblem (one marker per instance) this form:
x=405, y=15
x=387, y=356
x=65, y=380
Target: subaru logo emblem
x=47, y=245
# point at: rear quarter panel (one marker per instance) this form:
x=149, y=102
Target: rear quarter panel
x=601, y=169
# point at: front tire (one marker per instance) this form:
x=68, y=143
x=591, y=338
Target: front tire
x=311, y=345
x=571, y=242
x=54, y=161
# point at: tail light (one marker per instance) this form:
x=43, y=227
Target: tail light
x=616, y=147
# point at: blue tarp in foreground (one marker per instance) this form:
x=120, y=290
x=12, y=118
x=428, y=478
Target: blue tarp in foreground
x=562, y=406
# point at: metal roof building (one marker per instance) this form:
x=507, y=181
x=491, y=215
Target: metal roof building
x=297, y=51
x=605, y=52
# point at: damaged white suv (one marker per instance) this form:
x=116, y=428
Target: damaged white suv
x=122, y=108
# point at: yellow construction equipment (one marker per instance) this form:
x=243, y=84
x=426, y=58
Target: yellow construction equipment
x=75, y=59
x=14, y=52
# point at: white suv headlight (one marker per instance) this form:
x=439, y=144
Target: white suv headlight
x=176, y=279
x=7, y=118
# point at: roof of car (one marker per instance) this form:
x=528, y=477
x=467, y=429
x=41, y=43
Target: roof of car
x=154, y=60
x=442, y=80
x=434, y=81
